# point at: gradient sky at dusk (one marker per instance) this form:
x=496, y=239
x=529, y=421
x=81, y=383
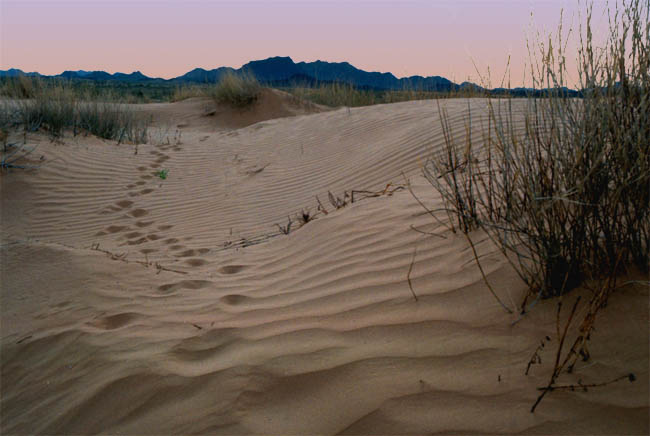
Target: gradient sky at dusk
x=168, y=38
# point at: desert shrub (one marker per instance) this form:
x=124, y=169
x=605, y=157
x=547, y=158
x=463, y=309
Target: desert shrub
x=236, y=90
x=568, y=195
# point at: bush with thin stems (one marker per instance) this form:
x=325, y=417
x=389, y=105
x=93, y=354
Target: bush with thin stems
x=565, y=195
x=568, y=193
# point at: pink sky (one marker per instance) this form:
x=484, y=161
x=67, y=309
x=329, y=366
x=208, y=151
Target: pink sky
x=167, y=38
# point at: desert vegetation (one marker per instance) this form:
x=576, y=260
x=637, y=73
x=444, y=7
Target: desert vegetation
x=23, y=86
x=55, y=106
x=339, y=94
x=183, y=92
x=566, y=199
x=236, y=90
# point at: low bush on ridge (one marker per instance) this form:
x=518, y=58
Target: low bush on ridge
x=236, y=90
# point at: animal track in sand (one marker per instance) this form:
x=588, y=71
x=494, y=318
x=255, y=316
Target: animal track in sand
x=165, y=227
x=233, y=299
x=143, y=223
x=203, y=250
x=231, y=269
x=153, y=237
x=146, y=177
x=137, y=213
x=195, y=262
x=171, y=241
x=116, y=229
x=114, y=321
x=162, y=159
x=184, y=284
x=137, y=241
x=140, y=183
x=130, y=186
x=148, y=250
x=145, y=191
x=154, y=165
x=133, y=235
x=142, y=168
x=186, y=253
x=100, y=233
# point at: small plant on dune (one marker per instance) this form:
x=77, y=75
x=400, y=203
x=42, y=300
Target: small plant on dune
x=236, y=90
x=567, y=199
x=286, y=229
x=162, y=173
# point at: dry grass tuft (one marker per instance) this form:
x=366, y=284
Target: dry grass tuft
x=236, y=90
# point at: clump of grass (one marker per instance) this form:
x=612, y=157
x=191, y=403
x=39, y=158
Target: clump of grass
x=236, y=90
x=112, y=121
x=566, y=199
x=52, y=109
x=57, y=106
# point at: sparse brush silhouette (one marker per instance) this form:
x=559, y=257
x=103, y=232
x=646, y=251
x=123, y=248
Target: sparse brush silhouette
x=184, y=92
x=236, y=90
x=566, y=199
x=344, y=94
x=21, y=87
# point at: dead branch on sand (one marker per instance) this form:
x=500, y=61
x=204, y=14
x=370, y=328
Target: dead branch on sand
x=146, y=263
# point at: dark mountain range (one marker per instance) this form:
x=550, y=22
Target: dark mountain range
x=283, y=71
x=276, y=70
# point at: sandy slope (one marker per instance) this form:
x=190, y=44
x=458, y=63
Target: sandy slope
x=249, y=331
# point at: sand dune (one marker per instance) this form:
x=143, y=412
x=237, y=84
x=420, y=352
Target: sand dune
x=207, y=319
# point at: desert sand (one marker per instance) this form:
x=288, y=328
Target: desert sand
x=136, y=305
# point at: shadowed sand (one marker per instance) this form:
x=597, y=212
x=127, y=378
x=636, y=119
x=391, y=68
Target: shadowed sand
x=315, y=332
